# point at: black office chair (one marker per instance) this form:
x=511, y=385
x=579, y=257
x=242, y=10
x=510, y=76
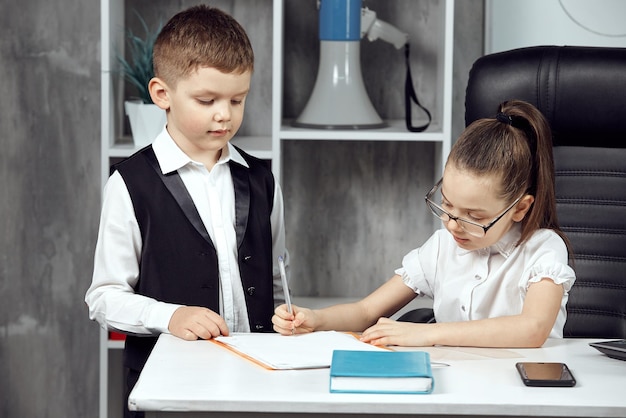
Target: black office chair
x=582, y=93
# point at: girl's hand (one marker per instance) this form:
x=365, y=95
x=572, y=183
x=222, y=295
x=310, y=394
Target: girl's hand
x=389, y=332
x=301, y=321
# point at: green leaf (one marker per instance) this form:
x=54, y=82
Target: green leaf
x=138, y=69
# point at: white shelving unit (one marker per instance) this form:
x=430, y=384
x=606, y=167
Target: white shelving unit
x=439, y=131
x=262, y=146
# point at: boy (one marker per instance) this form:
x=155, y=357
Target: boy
x=191, y=226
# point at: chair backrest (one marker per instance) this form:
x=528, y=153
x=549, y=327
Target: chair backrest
x=582, y=93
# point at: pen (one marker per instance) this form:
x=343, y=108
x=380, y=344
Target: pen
x=283, y=278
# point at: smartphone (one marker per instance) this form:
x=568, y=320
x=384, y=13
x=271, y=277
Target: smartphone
x=545, y=374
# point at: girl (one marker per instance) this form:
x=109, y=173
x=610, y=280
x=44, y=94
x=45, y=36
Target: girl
x=498, y=273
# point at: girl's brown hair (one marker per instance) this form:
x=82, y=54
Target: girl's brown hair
x=201, y=36
x=515, y=146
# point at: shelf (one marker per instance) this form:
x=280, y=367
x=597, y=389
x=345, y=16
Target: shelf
x=430, y=30
x=396, y=131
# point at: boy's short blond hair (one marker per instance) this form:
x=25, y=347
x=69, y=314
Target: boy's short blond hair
x=201, y=36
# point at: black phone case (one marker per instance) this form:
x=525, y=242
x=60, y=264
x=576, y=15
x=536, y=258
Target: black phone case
x=545, y=383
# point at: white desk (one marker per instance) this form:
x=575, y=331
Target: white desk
x=206, y=380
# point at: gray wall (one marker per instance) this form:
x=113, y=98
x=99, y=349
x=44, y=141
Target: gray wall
x=49, y=188
x=49, y=168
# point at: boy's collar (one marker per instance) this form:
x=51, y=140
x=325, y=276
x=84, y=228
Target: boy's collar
x=236, y=156
x=171, y=157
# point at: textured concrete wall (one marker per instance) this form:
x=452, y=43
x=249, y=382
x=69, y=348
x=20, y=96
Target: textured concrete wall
x=49, y=205
x=353, y=208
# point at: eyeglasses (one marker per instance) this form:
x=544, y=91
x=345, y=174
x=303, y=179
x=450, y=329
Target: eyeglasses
x=472, y=228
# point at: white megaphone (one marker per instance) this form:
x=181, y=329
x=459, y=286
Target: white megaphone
x=339, y=99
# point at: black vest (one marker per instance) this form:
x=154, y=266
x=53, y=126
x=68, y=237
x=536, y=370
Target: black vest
x=178, y=260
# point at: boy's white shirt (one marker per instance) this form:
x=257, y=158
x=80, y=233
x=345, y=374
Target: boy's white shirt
x=111, y=298
x=490, y=282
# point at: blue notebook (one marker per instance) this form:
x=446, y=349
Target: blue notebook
x=381, y=372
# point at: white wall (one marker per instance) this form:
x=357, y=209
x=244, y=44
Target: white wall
x=513, y=23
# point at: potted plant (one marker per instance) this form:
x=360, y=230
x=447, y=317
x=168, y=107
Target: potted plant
x=146, y=119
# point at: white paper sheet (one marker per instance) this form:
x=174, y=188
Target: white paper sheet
x=305, y=351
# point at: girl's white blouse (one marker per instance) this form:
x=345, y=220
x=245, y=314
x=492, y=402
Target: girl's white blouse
x=490, y=282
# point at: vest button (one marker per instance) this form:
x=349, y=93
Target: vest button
x=247, y=258
x=258, y=326
x=251, y=290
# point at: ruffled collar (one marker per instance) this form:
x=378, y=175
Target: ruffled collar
x=504, y=246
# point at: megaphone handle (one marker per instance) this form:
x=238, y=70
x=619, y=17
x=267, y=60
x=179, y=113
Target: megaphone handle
x=411, y=96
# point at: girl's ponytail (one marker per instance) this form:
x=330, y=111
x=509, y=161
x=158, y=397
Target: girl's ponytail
x=540, y=183
x=516, y=146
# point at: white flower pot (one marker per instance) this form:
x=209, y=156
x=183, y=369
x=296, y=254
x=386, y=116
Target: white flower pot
x=146, y=121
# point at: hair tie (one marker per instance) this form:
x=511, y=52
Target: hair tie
x=504, y=118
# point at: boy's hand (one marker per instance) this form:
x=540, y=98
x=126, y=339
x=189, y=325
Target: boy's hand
x=193, y=322
x=300, y=322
